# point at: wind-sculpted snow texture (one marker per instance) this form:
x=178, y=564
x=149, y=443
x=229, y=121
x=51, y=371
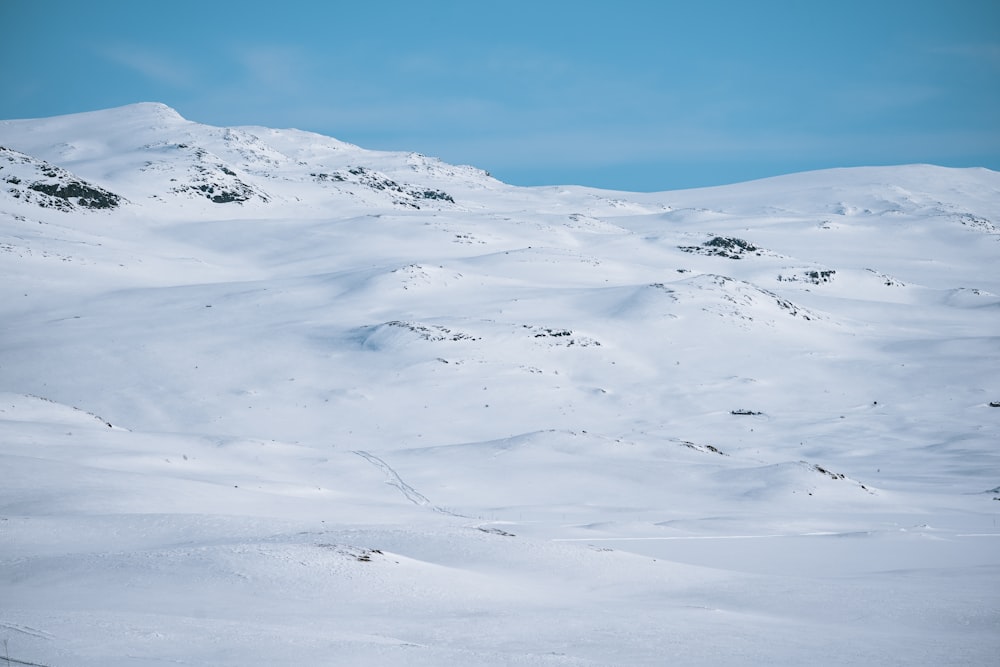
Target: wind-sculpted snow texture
x=270, y=398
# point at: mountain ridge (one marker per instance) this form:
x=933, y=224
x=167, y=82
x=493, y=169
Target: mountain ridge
x=163, y=128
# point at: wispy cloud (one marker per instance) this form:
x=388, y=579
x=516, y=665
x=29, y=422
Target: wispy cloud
x=155, y=66
x=276, y=67
x=497, y=61
x=984, y=53
x=872, y=100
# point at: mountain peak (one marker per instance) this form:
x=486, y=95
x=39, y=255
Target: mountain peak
x=157, y=109
x=147, y=112
x=149, y=153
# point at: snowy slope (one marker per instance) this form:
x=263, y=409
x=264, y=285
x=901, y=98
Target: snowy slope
x=293, y=401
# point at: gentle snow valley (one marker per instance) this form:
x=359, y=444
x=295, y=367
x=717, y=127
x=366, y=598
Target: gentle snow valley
x=271, y=398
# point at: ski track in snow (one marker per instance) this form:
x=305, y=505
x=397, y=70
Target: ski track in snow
x=688, y=537
x=393, y=479
x=33, y=632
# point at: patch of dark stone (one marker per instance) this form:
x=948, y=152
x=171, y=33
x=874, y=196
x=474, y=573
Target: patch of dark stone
x=723, y=246
x=88, y=196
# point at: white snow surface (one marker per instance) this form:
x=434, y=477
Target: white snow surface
x=370, y=408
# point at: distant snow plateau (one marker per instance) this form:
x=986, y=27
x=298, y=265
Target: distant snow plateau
x=269, y=397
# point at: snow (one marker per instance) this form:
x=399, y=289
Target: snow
x=340, y=418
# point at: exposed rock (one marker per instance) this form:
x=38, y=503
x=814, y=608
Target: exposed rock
x=33, y=180
x=724, y=246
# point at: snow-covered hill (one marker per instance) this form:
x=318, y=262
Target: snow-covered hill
x=266, y=396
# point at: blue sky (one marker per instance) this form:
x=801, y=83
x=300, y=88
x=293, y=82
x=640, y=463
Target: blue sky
x=630, y=95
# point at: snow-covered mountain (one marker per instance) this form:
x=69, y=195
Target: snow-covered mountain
x=266, y=396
